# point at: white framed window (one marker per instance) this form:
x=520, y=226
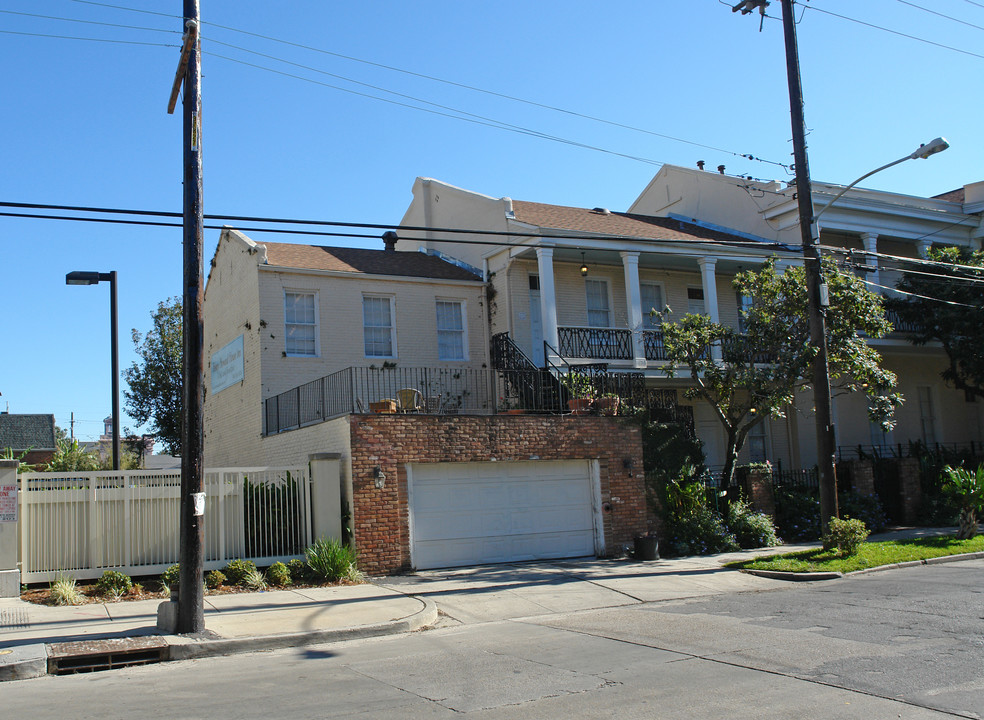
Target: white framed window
x=599, y=310
x=301, y=320
x=651, y=295
x=879, y=436
x=695, y=301
x=758, y=443
x=378, y=326
x=744, y=305
x=451, y=330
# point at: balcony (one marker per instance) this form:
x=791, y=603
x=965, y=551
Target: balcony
x=900, y=325
x=595, y=343
x=652, y=341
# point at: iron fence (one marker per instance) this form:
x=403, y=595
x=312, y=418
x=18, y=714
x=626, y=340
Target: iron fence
x=599, y=343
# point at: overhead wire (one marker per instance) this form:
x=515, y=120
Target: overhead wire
x=939, y=14
x=89, y=39
x=90, y=22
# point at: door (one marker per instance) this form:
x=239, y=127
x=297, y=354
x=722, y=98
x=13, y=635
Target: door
x=492, y=512
x=536, y=324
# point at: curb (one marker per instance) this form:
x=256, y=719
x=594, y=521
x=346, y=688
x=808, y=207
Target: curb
x=31, y=661
x=805, y=577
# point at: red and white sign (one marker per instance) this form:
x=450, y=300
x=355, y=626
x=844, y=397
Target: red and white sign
x=8, y=503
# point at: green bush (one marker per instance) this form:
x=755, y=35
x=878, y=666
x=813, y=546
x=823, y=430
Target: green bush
x=254, y=580
x=967, y=488
x=278, y=575
x=701, y=533
x=114, y=583
x=238, y=571
x=867, y=508
x=845, y=535
x=62, y=591
x=751, y=529
x=169, y=578
x=299, y=571
x=797, y=514
x=214, y=579
x=331, y=561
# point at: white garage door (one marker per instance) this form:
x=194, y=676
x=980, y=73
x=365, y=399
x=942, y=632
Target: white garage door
x=475, y=513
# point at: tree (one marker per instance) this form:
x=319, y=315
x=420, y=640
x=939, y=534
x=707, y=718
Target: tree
x=155, y=393
x=945, y=304
x=752, y=374
x=71, y=457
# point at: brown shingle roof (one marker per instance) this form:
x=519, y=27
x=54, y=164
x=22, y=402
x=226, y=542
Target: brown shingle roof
x=561, y=217
x=369, y=262
x=953, y=196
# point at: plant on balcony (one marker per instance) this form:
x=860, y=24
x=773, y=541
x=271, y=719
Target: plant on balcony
x=581, y=390
x=607, y=404
x=742, y=390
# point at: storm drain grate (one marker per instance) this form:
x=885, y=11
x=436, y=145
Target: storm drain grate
x=96, y=655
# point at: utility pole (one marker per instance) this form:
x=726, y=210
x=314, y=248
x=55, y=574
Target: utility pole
x=816, y=289
x=191, y=595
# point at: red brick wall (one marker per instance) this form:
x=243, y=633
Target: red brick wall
x=381, y=516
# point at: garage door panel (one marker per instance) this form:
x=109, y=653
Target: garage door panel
x=473, y=513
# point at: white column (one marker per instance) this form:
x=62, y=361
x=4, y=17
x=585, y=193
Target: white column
x=709, y=284
x=548, y=298
x=633, y=302
x=870, y=241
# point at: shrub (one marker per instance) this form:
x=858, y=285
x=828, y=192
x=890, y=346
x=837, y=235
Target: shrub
x=254, y=580
x=867, y=508
x=114, y=583
x=797, y=514
x=700, y=533
x=169, y=578
x=331, y=561
x=278, y=575
x=238, y=570
x=214, y=579
x=846, y=535
x=967, y=487
x=751, y=529
x=63, y=591
x=299, y=571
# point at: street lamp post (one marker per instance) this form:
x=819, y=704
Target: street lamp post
x=80, y=277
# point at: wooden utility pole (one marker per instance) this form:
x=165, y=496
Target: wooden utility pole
x=191, y=594
x=815, y=287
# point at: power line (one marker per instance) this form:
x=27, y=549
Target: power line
x=934, y=12
x=921, y=297
x=89, y=22
x=88, y=39
x=129, y=9
x=895, y=32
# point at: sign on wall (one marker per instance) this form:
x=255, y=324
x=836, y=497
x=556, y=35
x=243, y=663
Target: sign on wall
x=8, y=503
x=227, y=366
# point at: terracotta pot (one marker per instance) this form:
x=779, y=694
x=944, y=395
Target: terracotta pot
x=386, y=407
x=579, y=406
x=607, y=405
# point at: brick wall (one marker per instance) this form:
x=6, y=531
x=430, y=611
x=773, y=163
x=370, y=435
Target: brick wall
x=381, y=516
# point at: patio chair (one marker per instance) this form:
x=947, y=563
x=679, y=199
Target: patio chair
x=409, y=400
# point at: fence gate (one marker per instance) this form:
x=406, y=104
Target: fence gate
x=85, y=523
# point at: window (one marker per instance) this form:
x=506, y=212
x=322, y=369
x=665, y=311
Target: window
x=377, y=324
x=652, y=299
x=744, y=305
x=451, y=330
x=597, y=294
x=879, y=436
x=758, y=444
x=301, y=317
x=927, y=419
x=695, y=301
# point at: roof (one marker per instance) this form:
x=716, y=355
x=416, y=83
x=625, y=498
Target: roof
x=598, y=222
x=369, y=262
x=23, y=432
x=956, y=196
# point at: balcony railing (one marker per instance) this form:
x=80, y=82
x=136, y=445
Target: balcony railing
x=898, y=323
x=363, y=389
x=595, y=343
x=652, y=340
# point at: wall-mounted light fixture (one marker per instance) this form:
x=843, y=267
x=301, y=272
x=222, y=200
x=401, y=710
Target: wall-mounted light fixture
x=378, y=477
x=584, y=267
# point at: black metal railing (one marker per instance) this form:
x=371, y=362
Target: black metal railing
x=738, y=349
x=898, y=324
x=598, y=343
x=386, y=389
x=652, y=341
x=506, y=354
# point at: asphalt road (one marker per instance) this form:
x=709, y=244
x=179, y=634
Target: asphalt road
x=902, y=643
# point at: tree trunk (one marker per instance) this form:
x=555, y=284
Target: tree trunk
x=968, y=524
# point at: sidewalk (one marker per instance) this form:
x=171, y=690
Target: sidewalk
x=32, y=637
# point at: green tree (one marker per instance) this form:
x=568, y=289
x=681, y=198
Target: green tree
x=761, y=367
x=155, y=392
x=945, y=304
x=71, y=457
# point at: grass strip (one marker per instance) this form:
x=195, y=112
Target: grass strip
x=871, y=554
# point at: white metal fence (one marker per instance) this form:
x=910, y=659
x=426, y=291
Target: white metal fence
x=85, y=523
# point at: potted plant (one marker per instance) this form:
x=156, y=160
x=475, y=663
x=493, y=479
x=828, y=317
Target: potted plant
x=607, y=404
x=509, y=406
x=387, y=406
x=582, y=392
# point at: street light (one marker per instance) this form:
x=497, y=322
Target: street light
x=936, y=145
x=81, y=277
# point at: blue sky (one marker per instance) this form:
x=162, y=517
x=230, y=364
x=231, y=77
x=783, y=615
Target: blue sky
x=85, y=123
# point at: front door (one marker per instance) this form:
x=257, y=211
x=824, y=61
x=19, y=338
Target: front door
x=536, y=328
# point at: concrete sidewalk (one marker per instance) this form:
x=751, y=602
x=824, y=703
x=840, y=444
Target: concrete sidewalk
x=32, y=635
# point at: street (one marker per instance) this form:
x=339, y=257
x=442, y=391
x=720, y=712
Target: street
x=901, y=643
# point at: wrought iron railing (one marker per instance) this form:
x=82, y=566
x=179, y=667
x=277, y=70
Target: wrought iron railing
x=652, y=341
x=898, y=324
x=597, y=343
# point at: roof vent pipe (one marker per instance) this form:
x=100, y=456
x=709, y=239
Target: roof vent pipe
x=721, y=169
x=700, y=164
x=389, y=240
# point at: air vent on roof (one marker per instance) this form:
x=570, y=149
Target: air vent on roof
x=601, y=211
